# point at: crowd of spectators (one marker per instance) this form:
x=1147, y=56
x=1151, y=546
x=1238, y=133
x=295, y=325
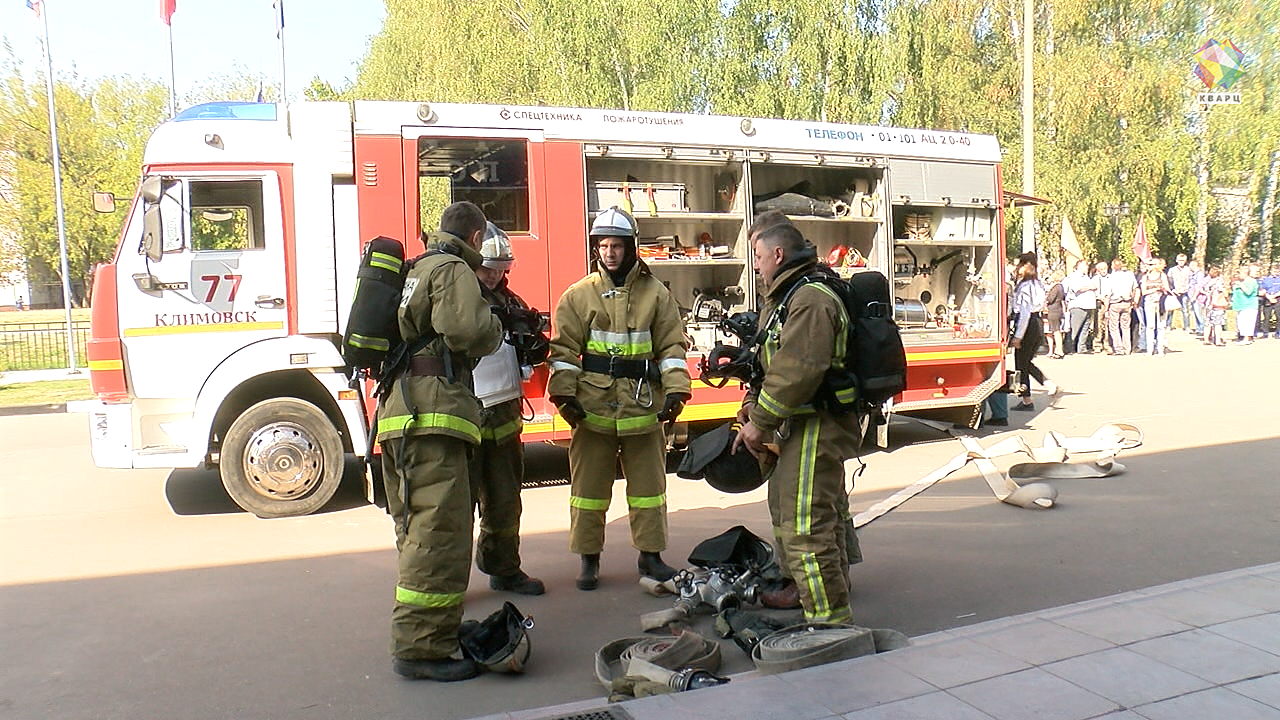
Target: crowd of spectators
x=1118, y=311
x=1112, y=309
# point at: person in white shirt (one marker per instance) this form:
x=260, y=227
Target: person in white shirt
x=1180, y=281
x=1121, y=290
x=1028, y=305
x=1082, y=298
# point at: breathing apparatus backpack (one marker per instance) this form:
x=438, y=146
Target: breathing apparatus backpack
x=373, y=328
x=372, y=343
x=875, y=362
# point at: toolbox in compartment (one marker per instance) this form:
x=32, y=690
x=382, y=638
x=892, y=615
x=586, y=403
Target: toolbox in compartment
x=639, y=198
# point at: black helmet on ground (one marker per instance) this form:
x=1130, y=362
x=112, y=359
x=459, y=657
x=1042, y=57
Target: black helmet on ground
x=711, y=456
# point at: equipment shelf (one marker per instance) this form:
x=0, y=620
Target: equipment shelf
x=652, y=262
x=846, y=219
x=953, y=243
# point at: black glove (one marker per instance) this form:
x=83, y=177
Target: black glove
x=672, y=408
x=570, y=409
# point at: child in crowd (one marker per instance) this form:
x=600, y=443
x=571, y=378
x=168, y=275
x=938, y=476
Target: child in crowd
x=1218, y=302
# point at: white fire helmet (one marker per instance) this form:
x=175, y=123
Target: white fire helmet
x=496, y=249
x=615, y=222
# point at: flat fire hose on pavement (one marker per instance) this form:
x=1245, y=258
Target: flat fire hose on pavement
x=812, y=644
x=688, y=649
x=637, y=667
x=1048, y=462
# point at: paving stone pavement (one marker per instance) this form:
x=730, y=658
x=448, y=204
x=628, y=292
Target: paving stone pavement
x=1202, y=648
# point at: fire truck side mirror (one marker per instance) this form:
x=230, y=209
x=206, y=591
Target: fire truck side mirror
x=104, y=202
x=152, y=244
x=151, y=190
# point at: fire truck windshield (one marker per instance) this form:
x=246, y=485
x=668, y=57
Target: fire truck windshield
x=228, y=111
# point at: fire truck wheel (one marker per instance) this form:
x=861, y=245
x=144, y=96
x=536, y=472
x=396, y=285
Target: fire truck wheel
x=282, y=457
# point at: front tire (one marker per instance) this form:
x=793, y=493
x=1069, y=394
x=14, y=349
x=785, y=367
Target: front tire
x=281, y=458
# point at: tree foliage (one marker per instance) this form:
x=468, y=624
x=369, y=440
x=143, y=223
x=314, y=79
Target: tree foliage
x=102, y=128
x=1116, y=118
x=1115, y=112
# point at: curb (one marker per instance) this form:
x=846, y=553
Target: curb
x=71, y=406
x=46, y=409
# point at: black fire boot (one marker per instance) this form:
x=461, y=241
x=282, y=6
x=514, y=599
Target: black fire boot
x=442, y=670
x=589, y=579
x=519, y=583
x=651, y=565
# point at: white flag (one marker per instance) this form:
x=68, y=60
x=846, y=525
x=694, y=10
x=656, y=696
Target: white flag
x=1070, y=245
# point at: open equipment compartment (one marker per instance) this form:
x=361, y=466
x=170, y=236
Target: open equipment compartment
x=946, y=274
x=688, y=205
x=835, y=201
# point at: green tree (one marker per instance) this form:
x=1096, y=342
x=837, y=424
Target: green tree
x=644, y=55
x=102, y=128
x=320, y=90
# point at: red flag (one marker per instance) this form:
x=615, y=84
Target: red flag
x=167, y=8
x=34, y=5
x=1141, y=247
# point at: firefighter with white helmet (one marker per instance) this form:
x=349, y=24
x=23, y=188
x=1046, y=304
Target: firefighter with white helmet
x=617, y=373
x=498, y=468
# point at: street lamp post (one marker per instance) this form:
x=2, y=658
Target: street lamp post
x=1115, y=212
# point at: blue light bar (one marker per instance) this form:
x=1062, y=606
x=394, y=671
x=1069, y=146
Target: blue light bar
x=228, y=111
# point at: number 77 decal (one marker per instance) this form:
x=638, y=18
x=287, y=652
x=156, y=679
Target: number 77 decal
x=214, y=280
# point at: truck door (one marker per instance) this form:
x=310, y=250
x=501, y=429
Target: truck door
x=209, y=279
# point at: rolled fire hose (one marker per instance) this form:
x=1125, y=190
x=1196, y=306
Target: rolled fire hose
x=811, y=644
x=687, y=650
x=1049, y=462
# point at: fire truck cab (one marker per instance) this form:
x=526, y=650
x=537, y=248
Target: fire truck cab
x=216, y=327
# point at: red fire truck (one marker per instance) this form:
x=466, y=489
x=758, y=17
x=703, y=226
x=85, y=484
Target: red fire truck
x=215, y=328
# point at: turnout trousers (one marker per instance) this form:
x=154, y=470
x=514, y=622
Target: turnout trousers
x=593, y=465
x=497, y=469
x=807, y=500
x=429, y=499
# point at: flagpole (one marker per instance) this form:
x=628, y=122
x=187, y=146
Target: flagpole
x=173, y=77
x=57, y=192
x=284, y=85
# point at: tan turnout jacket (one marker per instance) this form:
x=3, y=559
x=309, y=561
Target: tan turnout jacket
x=442, y=293
x=636, y=321
x=796, y=355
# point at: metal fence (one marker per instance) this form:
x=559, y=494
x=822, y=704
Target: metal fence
x=41, y=345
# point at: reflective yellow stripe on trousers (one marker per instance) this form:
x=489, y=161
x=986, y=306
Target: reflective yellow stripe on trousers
x=583, y=503
x=646, y=501
x=405, y=596
x=804, y=517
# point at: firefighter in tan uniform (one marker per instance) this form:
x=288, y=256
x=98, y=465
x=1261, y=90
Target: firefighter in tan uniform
x=806, y=493
x=428, y=424
x=617, y=373
x=498, y=468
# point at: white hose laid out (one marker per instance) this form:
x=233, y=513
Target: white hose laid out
x=812, y=644
x=1048, y=462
